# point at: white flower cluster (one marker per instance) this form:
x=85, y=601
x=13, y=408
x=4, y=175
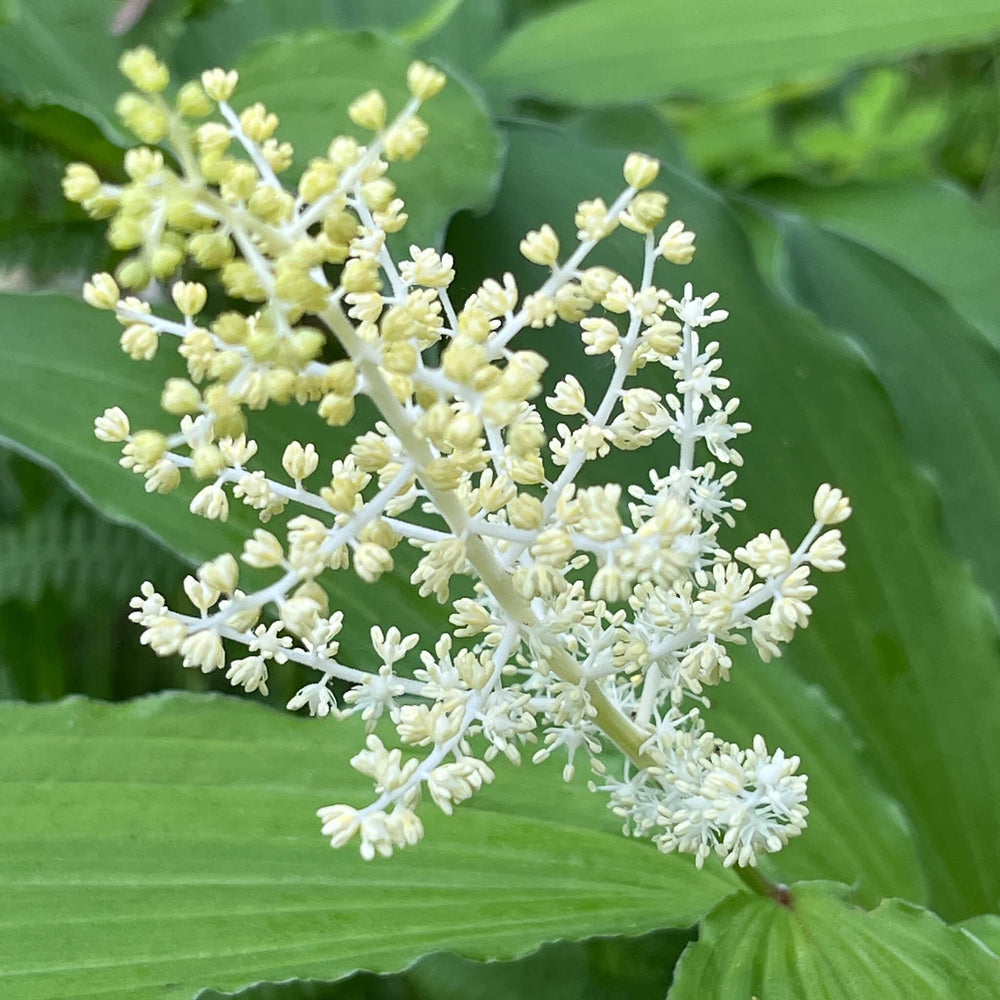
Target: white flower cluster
x=591, y=616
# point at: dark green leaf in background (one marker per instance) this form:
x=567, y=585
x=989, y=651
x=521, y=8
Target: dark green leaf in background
x=603, y=51
x=932, y=229
x=942, y=375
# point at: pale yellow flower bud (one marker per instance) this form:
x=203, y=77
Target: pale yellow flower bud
x=144, y=119
x=147, y=447
x=368, y=111
x=525, y=512
x=192, y=101
x=212, y=503
x=218, y=84
x=222, y=573
x=179, y=396
x=568, y=398
x=299, y=462
x=240, y=182
x=344, y=152
x=640, y=170
x=541, y=246
x=442, y=473
x=371, y=561
x=279, y=155
x=80, y=182
x=336, y=410
x=101, y=291
x=258, y=123
x=163, y=477
x=677, y=244
x=212, y=137
x=142, y=163
x=463, y=431
x=645, y=212
x=165, y=261
x=112, y=425
x=423, y=81
x=597, y=281
x=207, y=461
x=360, y=275
x=830, y=506
x=211, y=250
x=263, y=551
x=592, y=220
x=189, y=297
x=599, y=334
x=143, y=70
x=826, y=553
x=133, y=274
x=405, y=140
x=271, y=205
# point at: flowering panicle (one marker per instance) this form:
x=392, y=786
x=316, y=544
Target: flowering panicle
x=597, y=614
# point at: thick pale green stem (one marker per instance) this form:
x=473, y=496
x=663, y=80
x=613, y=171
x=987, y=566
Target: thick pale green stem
x=760, y=885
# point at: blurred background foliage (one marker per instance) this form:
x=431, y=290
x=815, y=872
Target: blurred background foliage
x=865, y=176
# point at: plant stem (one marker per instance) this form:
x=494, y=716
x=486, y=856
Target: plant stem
x=757, y=883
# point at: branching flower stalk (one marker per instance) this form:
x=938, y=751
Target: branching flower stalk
x=589, y=617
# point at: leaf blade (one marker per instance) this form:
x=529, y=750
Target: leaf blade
x=138, y=838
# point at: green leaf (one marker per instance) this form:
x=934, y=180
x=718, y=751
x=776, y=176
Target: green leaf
x=771, y=700
x=598, y=969
x=467, y=38
x=309, y=80
x=219, y=37
x=157, y=847
x=947, y=409
x=822, y=946
x=62, y=367
x=63, y=52
x=603, y=51
x=986, y=927
x=930, y=228
x=903, y=642
x=615, y=968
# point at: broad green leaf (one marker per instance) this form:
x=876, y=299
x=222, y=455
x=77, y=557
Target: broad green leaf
x=63, y=52
x=467, y=38
x=903, y=642
x=615, y=968
x=221, y=35
x=942, y=375
x=821, y=945
x=598, y=969
x=986, y=927
x=62, y=367
x=605, y=52
x=771, y=700
x=310, y=80
x=931, y=228
x=165, y=845
x=43, y=237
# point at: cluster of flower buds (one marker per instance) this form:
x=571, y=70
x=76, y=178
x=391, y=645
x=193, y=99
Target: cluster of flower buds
x=592, y=617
